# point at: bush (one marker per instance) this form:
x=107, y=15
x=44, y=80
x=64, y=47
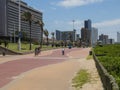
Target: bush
x=1, y=41
x=6, y=42
x=110, y=60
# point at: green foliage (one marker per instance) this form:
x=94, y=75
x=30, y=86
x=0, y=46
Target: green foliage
x=110, y=60
x=6, y=42
x=108, y=50
x=80, y=79
x=89, y=57
x=25, y=47
x=1, y=41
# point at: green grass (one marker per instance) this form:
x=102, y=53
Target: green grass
x=109, y=57
x=25, y=47
x=89, y=57
x=80, y=79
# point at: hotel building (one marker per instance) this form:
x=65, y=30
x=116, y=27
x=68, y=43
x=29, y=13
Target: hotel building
x=9, y=19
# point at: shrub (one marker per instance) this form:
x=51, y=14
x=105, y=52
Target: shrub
x=6, y=42
x=110, y=60
x=1, y=41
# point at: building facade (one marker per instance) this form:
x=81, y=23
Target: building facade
x=111, y=41
x=88, y=24
x=86, y=32
x=85, y=36
x=9, y=19
x=94, y=36
x=66, y=35
x=103, y=38
x=77, y=37
x=118, y=37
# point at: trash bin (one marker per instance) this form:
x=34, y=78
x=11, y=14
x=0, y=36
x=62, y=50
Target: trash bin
x=90, y=52
x=3, y=53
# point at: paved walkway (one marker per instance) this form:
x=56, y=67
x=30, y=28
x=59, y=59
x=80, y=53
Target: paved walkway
x=26, y=73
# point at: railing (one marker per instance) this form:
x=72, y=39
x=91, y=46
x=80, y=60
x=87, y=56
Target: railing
x=108, y=81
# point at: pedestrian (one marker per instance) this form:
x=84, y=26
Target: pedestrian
x=63, y=51
x=39, y=50
x=36, y=51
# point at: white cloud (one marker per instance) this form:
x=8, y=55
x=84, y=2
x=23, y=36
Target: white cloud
x=74, y=3
x=109, y=23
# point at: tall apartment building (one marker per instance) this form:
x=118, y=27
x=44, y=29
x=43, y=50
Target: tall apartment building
x=103, y=38
x=84, y=35
x=94, y=36
x=86, y=32
x=111, y=41
x=66, y=35
x=118, y=37
x=9, y=15
x=88, y=24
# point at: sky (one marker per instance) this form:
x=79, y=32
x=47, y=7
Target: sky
x=59, y=14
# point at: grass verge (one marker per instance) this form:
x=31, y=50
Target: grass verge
x=80, y=79
x=25, y=47
x=89, y=57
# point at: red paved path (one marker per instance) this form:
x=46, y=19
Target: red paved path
x=9, y=70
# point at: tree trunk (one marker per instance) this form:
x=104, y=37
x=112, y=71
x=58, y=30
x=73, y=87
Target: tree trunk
x=30, y=37
x=41, y=41
x=47, y=40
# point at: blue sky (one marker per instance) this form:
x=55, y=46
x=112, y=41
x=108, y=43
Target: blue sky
x=59, y=14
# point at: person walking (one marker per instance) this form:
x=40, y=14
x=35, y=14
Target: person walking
x=36, y=51
x=63, y=51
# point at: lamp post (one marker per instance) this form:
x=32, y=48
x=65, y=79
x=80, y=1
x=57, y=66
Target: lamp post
x=14, y=30
x=73, y=24
x=74, y=30
x=19, y=38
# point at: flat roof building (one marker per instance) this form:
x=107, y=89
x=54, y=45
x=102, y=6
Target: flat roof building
x=9, y=19
x=66, y=35
x=88, y=24
x=118, y=37
x=94, y=36
x=103, y=38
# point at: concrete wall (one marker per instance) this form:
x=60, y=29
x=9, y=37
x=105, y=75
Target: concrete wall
x=108, y=80
x=8, y=52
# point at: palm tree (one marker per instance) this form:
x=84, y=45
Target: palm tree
x=46, y=33
x=70, y=37
x=53, y=37
x=41, y=24
x=27, y=16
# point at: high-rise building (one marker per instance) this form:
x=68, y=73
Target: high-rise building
x=77, y=37
x=85, y=36
x=88, y=24
x=86, y=32
x=103, y=38
x=111, y=41
x=94, y=36
x=118, y=37
x=66, y=35
x=9, y=16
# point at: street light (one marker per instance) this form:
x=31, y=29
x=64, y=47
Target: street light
x=19, y=38
x=73, y=24
x=74, y=30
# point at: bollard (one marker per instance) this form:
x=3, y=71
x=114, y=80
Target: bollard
x=90, y=52
x=3, y=53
